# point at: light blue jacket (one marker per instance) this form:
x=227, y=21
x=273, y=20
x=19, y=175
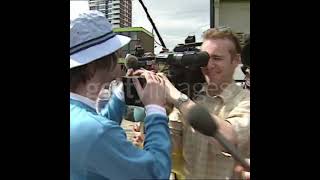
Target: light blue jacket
x=99, y=148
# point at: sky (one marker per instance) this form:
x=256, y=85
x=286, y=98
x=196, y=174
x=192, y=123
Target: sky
x=77, y=6
x=174, y=19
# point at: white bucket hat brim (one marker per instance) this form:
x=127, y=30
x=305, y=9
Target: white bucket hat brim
x=95, y=52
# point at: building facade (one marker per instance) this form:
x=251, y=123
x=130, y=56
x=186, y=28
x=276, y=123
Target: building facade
x=139, y=37
x=234, y=14
x=118, y=12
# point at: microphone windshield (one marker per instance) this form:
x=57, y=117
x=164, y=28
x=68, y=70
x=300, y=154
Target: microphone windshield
x=201, y=120
x=131, y=62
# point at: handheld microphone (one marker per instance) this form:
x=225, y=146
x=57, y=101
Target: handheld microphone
x=131, y=61
x=201, y=120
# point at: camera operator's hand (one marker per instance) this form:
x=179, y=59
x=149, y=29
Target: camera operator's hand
x=154, y=91
x=172, y=93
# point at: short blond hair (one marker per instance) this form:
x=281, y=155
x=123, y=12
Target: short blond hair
x=216, y=33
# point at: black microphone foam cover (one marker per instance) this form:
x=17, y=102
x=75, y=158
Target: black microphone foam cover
x=131, y=62
x=201, y=120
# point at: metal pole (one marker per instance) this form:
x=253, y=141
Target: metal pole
x=152, y=23
x=212, y=13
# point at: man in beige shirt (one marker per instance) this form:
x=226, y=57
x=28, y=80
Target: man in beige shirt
x=228, y=103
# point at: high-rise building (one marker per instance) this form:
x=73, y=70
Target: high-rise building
x=118, y=12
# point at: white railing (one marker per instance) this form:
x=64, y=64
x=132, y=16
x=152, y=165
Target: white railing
x=115, y=21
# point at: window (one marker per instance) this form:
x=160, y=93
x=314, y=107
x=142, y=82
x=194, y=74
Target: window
x=126, y=33
x=134, y=36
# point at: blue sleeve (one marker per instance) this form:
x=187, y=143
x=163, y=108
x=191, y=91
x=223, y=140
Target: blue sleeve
x=114, y=109
x=114, y=157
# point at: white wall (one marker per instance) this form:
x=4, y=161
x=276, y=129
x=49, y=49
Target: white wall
x=235, y=15
x=238, y=74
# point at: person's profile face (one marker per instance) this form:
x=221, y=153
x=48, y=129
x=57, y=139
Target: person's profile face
x=115, y=74
x=222, y=63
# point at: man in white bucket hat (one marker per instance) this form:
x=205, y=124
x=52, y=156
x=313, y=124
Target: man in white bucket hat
x=98, y=145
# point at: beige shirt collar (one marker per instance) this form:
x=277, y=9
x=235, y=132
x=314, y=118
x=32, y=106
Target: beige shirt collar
x=228, y=93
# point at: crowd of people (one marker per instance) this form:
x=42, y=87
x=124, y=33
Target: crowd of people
x=166, y=146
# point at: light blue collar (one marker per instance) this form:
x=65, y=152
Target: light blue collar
x=83, y=99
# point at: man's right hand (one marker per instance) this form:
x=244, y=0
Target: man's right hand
x=154, y=90
x=172, y=93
